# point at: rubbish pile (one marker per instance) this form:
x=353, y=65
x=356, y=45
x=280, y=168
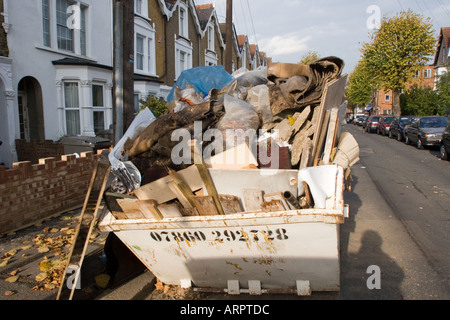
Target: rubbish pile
x=283, y=117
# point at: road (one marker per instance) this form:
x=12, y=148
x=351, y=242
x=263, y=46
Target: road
x=400, y=202
x=399, y=222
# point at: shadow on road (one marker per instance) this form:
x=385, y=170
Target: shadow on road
x=355, y=275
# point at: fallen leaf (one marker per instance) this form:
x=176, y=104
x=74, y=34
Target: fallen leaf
x=4, y=263
x=54, y=230
x=13, y=273
x=49, y=286
x=26, y=247
x=41, y=276
x=11, y=252
x=43, y=249
x=12, y=279
x=9, y=293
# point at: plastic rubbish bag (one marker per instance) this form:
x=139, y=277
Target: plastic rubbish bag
x=253, y=78
x=120, y=167
x=241, y=120
x=202, y=79
x=259, y=97
x=185, y=98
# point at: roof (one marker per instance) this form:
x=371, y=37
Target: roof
x=204, y=13
x=444, y=38
x=79, y=62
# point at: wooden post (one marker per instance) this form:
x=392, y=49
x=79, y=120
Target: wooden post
x=229, y=38
x=123, y=67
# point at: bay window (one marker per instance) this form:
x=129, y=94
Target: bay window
x=72, y=108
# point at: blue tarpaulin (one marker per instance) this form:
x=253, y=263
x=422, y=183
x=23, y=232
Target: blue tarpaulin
x=203, y=79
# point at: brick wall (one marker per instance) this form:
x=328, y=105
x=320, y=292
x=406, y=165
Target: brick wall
x=36, y=149
x=32, y=192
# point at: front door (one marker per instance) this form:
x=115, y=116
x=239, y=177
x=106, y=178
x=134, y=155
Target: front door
x=24, y=119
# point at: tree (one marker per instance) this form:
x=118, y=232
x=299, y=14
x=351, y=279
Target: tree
x=401, y=46
x=157, y=106
x=359, y=90
x=443, y=90
x=309, y=57
x=420, y=102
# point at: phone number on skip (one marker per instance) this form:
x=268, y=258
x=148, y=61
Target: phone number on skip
x=220, y=236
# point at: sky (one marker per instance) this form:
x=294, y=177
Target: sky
x=288, y=29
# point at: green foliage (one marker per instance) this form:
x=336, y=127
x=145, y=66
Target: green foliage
x=359, y=90
x=420, y=102
x=443, y=90
x=309, y=57
x=157, y=106
x=402, y=46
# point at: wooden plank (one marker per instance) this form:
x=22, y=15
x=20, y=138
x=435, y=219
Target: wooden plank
x=299, y=141
x=161, y=192
x=86, y=223
x=149, y=209
x=253, y=199
x=272, y=206
x=230, y=204
x=239, y=157
x=319, y=146
x=205, y=176
x=276, y=196
x=205, y=205
x=330, y=141
x=128, y=205
x=332, y=96
x=306, y=153
x=170, y=210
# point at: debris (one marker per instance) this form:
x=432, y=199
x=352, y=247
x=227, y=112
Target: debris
x=285, y=116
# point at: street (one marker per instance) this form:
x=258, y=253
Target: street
x=398, y=223
x=399, y=220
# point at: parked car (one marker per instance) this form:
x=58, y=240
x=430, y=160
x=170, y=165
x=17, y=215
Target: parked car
x=364, y=122
x=372, y=124
x=398, y=127
x=384, y=123
x=358, y=119
x=445, y=144
x=426, y=131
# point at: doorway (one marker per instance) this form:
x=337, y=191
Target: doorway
x=31, y=111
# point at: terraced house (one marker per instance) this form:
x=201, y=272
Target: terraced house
x=56, y=64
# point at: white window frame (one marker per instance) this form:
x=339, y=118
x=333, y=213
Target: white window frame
x=146, y=31
x=183, y=48
x=183, y=20
x=211, y=38
x=140, y=52
x=427, y=73
x=387, y=98
x=66, y=109
x=80, y=37
x=98, y=109
x=143, y=12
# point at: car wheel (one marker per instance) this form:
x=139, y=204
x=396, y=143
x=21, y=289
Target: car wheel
x=399, y=137
x=390, y=134
x=444, y=154
x=419, y=143
x=407, y=140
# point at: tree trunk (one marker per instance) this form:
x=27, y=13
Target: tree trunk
x=396, y=109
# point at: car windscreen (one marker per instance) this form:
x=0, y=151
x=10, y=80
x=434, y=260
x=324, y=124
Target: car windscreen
x=388, y=120
x=433, y=122
x=405, y=120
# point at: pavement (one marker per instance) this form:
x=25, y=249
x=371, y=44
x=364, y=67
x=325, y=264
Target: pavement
x=28, y=253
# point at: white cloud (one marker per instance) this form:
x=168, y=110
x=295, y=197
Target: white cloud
x=284, y=44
